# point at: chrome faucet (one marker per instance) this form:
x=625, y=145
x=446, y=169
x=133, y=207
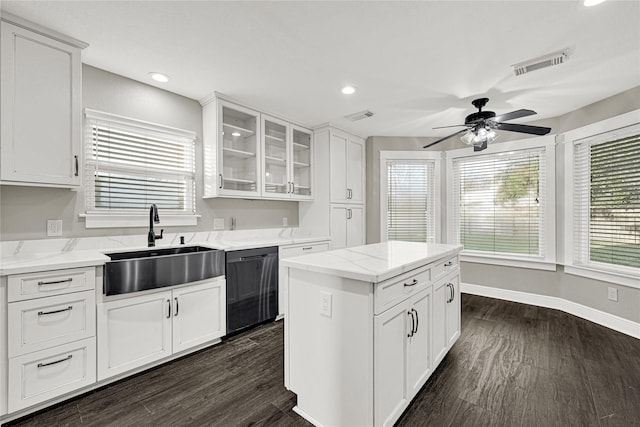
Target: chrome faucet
x=153, y=217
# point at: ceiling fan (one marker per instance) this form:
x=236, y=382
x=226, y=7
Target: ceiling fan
x=479, y=127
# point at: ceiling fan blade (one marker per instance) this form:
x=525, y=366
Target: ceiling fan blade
x=452, y=126
x=446, y=137
x=513, y=115
x=512, y=127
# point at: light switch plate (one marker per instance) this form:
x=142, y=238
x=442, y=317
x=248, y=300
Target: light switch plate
x=612, y=294
x=325, y=304
x=54, y=227
x=218, y=223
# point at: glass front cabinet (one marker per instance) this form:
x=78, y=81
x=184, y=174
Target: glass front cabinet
x=287, y=160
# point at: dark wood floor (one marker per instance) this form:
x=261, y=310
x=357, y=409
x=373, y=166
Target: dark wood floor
x=514, y=365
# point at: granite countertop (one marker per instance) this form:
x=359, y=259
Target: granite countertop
x=372, y=263
x=32, y=256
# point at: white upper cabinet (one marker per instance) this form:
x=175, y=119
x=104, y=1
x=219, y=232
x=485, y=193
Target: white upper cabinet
x=41, y=96
x=287, y=160
x=231, y=150
x=347, y=169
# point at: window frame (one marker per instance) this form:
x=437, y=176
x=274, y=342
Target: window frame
x=548, y=260
x=570, y=138
x=437, y=158
x=121, y=218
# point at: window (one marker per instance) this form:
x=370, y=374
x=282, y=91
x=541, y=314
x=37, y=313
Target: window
x=604, y=221
x=410, y=189
x=131, y=164
x=502, y=202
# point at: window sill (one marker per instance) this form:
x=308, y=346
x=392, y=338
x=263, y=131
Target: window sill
x=126, y=220
x=605, y=276
x=509, y=262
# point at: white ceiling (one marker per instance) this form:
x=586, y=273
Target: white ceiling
x=416, y=64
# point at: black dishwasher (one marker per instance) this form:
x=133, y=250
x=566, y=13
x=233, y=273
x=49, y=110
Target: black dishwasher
x=252, y=287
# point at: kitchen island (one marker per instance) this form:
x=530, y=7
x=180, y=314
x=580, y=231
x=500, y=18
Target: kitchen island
x=366, y=327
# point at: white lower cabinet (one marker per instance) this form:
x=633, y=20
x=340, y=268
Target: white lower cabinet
x=347, y=226
x=402, y=365
x=446, y=312
x=136, y=331
x=43, y=375
x=452, y=308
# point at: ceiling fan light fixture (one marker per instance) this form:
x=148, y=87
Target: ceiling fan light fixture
x=479, y=137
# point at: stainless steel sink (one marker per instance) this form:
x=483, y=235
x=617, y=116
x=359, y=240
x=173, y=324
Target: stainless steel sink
x=156, y=268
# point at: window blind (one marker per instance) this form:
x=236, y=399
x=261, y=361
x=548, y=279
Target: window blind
x=131, y=164
x=410, y=200
x=606, y=199
x=498, y=201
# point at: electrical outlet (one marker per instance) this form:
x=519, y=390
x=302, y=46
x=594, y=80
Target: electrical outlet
x=612, y=294
x=285, y=221
x=325, y=304
x=54, y=227
x=218, y=223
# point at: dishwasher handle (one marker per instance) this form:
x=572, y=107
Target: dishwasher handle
x=249, y=258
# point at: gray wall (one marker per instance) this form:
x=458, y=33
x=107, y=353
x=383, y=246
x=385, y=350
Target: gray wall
x=25, y=210
x=591, y=293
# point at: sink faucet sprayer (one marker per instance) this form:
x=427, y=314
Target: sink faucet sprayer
x=153, y=217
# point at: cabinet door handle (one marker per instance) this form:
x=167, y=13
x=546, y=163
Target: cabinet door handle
x=169, y=304
x=55, y=282
x=410, y=334
x=221, y=181
x=449, y=297
x=448, y=264
x=347, y=196
x=307, y=248
x=41, y=365
x=44, y=313
x=350, y=194
x=453, y=292
x=76, y=160
x=293, y=188
x=177, y=307
x=417, y=320
x=413, y=283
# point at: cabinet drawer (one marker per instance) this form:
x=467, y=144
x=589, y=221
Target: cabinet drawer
x=442, y=267
x=46, y=322
x=44, y=375
x=287, y=252
x=392, y=291
x=47, y=283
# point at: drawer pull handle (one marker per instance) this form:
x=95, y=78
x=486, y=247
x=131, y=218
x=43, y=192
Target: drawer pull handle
x=307, y=248
x=448, y=264
x=44, y=313
x=415, y=282
x=42, y=365
x=55, y=282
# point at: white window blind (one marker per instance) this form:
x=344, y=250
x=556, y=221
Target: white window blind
x=131, y=164
x=606, y=200
x=410, y=200
x=499, y=201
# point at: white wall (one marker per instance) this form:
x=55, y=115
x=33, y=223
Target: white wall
x=24, y=210
x=588, y=292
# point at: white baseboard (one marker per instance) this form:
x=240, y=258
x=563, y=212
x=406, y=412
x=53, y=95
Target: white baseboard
x=608, y=320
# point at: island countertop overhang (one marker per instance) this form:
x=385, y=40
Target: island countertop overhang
x=375, y=262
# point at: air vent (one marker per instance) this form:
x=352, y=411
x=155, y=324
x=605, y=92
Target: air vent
x=545, y=61
x=359, y=115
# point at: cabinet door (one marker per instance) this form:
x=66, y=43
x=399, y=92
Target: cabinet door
x=355, y=171
x=238, y=151
x=198, y=314
x=438, y=331
x=338, y=168
x=338, y=227
x=302, y=161
x=133, y=332
x=276, y=179
x=355, y=226
x=419, y=348
x=453, y=310
x=41, y=109
x=390, y=364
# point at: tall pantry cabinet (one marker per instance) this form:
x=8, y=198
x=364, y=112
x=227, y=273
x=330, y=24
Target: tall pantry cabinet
x=339, y=204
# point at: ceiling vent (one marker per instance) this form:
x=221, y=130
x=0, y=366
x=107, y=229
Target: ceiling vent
x=359, y=115
x=545, y=61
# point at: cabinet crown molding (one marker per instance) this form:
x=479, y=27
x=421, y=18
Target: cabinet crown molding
x=36, y=28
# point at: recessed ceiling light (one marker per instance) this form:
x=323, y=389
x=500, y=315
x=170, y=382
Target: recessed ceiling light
x=589, y=3
x=235, y=133
x=348, y=90
x=159, y=77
